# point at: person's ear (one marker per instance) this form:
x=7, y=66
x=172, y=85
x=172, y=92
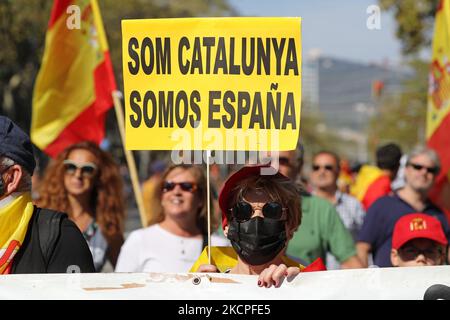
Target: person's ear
x=290, y=230
x=395, y=259
x=443, y=256
x=289, y=233
x=12, y=179
x=225, y=231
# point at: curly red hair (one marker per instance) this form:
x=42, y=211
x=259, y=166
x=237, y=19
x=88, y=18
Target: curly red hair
x=107, y=197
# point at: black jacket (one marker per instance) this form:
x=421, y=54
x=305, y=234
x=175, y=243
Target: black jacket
x=65, y=248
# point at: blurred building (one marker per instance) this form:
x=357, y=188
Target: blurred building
x=350, y=91
x=347, y=94
x=310, y=83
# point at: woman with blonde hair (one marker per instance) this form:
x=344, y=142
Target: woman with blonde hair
x=84, y=181
x=177, y=235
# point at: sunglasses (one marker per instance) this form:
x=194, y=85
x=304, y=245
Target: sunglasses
x=243, y=211
x=419, y=167
x=284, y=161
x=410, y=253
x=87, y=169
x=327, y=167
x=185, y=186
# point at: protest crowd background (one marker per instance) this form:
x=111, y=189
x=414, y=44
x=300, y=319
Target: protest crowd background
x=373, y=166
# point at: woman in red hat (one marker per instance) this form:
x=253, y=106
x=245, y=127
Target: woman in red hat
x=260, y=213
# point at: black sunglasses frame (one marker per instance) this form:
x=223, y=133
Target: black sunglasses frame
x=284, y=161
x=411, y=253
x=243, y=211
x=185, y=186
x=326, y=167
x=419, y=167
x=86, y=169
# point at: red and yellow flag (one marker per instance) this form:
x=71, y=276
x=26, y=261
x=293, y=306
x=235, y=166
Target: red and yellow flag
x=438, y=115
x=370, y=184
x=73, y=89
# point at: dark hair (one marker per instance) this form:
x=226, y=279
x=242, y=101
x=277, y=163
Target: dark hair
x=388, y=157
x=278, y=189
x=299, y=154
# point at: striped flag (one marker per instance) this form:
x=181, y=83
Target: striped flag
x=438, y=115
x=370, y=184
x=73, y=89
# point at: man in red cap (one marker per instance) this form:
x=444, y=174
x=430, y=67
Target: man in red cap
x=418, y=240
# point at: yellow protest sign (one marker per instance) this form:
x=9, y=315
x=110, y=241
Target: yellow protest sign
x=212, y=83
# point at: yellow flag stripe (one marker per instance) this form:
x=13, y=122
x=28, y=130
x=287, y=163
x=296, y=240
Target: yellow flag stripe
x=65, y=85
x=439, y=93
x=99, y=26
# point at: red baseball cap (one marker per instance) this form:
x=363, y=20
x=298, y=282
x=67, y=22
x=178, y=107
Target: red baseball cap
x=417, y=225
x=243, y=173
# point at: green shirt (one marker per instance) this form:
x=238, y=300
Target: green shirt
x=321, y=230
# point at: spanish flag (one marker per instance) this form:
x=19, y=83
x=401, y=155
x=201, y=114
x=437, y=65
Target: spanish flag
x=370, y=184
x=73, y=89
x=438, y=115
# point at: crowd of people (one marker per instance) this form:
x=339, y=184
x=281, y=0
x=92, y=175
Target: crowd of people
x=275, y=226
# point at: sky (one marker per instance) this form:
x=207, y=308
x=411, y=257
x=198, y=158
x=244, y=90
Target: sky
x=335, y=28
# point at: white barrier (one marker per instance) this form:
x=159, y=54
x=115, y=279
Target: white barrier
x=376, y=283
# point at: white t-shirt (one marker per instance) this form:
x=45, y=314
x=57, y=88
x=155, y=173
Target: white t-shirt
x=154, y=249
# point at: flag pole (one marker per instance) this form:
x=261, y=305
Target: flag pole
x=116, y=95
x=208, y=201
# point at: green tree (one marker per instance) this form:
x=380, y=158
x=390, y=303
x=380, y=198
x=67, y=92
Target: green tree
x=415, y=20
x=315, y=135
x=23, y=25
x=22, y=36
x=401, y=118
x=113, y=12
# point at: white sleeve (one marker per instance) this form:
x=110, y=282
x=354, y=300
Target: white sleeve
x=128, y=260
x=219, y=241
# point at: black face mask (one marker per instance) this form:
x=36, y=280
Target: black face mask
x=258, y=240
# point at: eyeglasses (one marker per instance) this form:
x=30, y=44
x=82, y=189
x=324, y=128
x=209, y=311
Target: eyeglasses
x=419, y=167
x=284, y=161
x=243, y=211
x=410, y=253
x=185, y=186
x=327, y=167
x=87, y=169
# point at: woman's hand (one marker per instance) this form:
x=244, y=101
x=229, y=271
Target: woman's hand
x=207, y=268
x=275, y=275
